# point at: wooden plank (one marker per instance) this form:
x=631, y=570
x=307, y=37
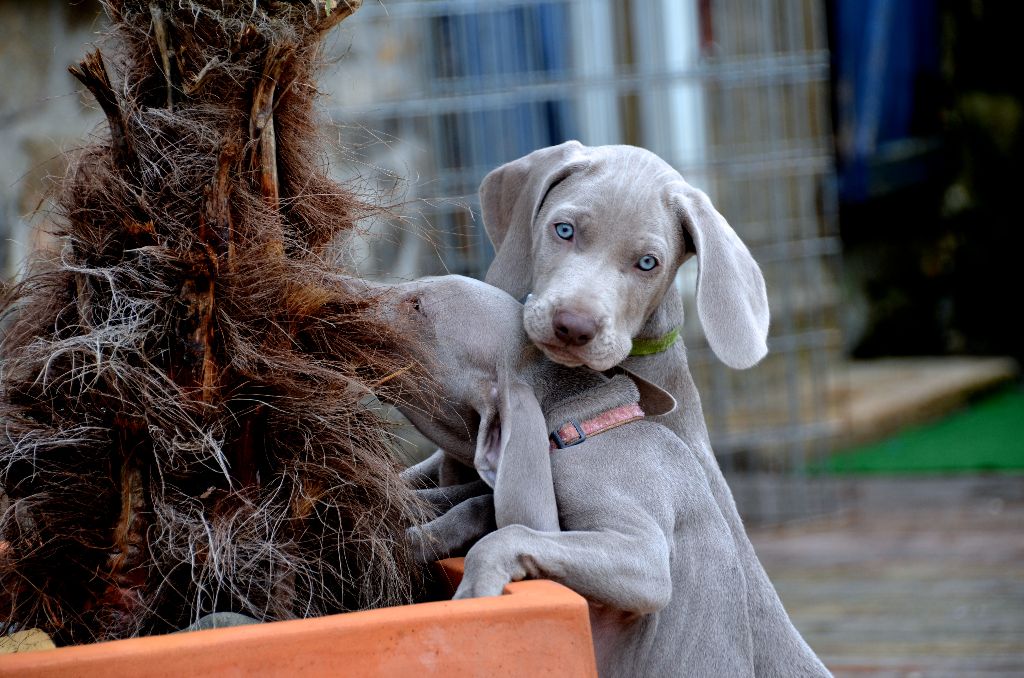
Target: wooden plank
x=917, y=577
x=878, y=397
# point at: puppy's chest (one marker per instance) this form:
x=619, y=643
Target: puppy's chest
x=582, y=476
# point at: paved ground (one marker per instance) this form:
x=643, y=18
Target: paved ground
x=918, y=577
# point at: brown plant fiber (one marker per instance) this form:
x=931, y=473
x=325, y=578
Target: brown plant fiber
x=182, y=382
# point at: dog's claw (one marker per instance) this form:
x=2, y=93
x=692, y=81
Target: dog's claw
x=422, y=544
x=477, y=591
x=492, y=584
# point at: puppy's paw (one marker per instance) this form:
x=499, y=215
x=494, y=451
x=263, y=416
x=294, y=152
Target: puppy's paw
x=424, y=546
x=486, y=584
x=490, y=565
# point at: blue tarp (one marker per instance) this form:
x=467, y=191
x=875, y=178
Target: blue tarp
x=886, y=60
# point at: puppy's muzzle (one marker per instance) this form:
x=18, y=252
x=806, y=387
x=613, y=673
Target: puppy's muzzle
x=574, y=329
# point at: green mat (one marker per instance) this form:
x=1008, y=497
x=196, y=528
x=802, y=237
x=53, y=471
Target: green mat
x=986, y=436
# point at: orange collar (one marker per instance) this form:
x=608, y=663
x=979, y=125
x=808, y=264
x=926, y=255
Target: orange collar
x=573, y=433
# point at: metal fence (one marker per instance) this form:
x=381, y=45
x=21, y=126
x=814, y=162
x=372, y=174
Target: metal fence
x=733, y=93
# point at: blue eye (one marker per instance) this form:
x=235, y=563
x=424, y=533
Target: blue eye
x=647, y=263
x=564, y=231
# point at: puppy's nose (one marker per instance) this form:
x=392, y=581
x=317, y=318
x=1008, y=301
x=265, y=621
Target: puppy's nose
x=574, y=328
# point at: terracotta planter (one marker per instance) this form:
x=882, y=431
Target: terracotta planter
x=538, y=628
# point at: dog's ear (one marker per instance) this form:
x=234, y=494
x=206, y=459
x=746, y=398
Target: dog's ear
x=510, y=198
x=654, y=400
x=731, y=298
x=513, y=457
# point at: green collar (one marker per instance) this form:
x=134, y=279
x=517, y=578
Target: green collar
x=643, y=347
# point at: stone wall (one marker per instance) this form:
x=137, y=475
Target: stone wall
x=42, y=113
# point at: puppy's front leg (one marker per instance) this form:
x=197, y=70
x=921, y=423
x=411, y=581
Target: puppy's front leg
x=628, y=571
x=427, y=473
x=446, y=497
x=451, y=533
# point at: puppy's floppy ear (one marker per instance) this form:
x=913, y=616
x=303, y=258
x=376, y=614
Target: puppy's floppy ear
x=654, y=400
x=510, y=198
x=513, y=456
x=731, y=298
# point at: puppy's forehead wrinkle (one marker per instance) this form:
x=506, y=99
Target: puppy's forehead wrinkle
x=568, y=211
x=555, y=184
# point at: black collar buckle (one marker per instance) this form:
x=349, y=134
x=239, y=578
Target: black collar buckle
x=561, y=444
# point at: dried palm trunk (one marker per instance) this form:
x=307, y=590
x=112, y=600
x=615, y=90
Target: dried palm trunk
x=181, y=383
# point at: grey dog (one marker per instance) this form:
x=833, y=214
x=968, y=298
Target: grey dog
x=636, y=531
x=595, y=236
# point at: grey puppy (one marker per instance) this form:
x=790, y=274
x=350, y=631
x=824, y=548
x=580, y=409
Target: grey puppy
x=595, y=237
x=488, y=419
x=642, y=536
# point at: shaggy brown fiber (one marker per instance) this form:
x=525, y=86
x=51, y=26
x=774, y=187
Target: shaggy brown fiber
x=183, y=382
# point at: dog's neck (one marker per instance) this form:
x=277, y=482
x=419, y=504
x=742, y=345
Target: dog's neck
x=666, y=317
x=579, y=393
x=670, y=370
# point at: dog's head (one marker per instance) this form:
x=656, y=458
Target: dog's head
x=595, y=236
x=471, y=343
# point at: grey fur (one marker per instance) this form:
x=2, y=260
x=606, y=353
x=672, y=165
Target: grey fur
x=487, y=398
x=219, y=620
x=641, y=535
x=623, y=198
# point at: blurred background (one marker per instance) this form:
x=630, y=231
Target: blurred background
x=867, y=151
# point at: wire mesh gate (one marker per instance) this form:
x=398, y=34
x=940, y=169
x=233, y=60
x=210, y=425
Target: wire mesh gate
x=733, y=93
